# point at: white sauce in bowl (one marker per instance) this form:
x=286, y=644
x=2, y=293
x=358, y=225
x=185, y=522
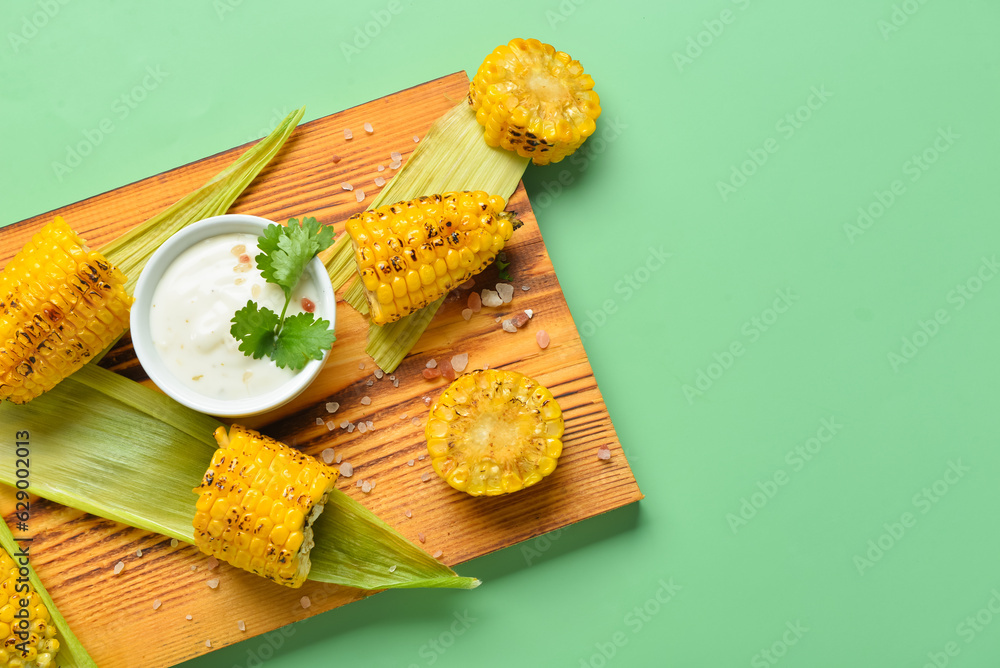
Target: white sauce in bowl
x=192, y=309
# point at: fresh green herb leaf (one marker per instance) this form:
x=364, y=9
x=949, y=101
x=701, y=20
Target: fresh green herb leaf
x=286, y=250
x=504, y=274
x=302, y=338
x=255, y=329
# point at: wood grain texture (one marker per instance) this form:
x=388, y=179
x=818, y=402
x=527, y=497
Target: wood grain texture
x=75, y=552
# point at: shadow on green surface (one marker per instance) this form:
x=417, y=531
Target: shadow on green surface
x=432, y=609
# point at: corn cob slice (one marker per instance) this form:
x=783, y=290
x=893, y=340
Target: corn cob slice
x=60, y=304
x=494, y=432
x=27, y=632
x=257, y=503
x=534, y=100
x=411, y=253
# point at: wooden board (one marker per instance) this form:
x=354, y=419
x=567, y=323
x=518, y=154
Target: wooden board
x=75, y=552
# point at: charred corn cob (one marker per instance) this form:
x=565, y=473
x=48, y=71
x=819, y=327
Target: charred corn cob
x=27, y=633
x=411, y=253
x=494, y=432
x=60, y=304
x=257, y=503
x=534, y=100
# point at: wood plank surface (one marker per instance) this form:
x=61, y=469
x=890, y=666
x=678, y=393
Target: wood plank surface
x=75, y=553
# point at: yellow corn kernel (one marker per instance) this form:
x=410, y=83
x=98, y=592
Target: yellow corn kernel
x=40, y=644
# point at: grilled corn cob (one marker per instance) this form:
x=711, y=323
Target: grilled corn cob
x=534, y=100
x=494, y=432
x=257, y=503
x=60, y=304
x=411, y=253
x=27, y=634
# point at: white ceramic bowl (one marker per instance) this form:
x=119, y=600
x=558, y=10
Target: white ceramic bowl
x=150, y=359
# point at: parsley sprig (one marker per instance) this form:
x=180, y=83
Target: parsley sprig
x=291, y=342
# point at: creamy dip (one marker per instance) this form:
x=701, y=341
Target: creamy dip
x=191, y=314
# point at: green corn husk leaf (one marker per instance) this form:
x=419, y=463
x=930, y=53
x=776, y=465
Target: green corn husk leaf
x=132, y=250
x=72, y=653
x=111, y=447
x=453, y=156
x=355, y=296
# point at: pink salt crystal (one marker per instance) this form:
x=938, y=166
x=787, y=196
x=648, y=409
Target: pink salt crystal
x=475, y=302
x=467, y=313
x=520, y=320
x=542, y=337
x=459, y=362
x=447, y=370
x=430, y=374
x=603, y=453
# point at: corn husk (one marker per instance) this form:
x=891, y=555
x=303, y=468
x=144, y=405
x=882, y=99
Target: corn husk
x=109, y=446
x=132, y=250
x=452, y=156
x=71, y=652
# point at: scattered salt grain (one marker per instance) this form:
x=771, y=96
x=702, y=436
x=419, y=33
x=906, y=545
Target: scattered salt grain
x=528, y=312
x=468, y=285
x=208, y=643
x=415, y=421
x=379, y=373
x=542, y=338
x=395, y=382
x=368, y=128
x=194, y=568
x=305, y=602
x=213, y=563
x=365, y=401
x=350, y=428
x=392, y=378
x=328, y=455
x=339, y=459
x=188, y=617
x=369, y=383
x=520, y=320
x=319, y=421
x=447, y=370
x=508, y=326
x=373, y=484
x=427, y=402
x=475, y=302
x=395, y=165
x=408, y=514
x=421, y=537
x=361, y=365
x=362, y=427
x=431, y=373
x=410, y=463
x=360, y=482
x=241, y=625
x=370, y=424
x=491, y=298
x=432, y=363
x=403, y=416
x=119, y=566
x=213, y=583
x=467, y=313
x=525, y=287
x=138, y=552
x=506, y=292
x=381, y=168
x=332, y=406
x=366, y=487
x=174, y=542
x=346, y=186
x=359, y=195
x=156, y=604
x=346, y=470
x=348, y=134
x=425, y=477
x=459, y=362
x=416, y=139
x=437, y=555
x=331, y=425
x=396, y=156
x=392, y=569
x=379, y=181
x=335, y=159
x=603, y=453
x=421, y=458
x=343, y=425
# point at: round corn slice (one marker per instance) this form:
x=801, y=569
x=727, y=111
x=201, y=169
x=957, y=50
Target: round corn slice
x=494, y=432
x=534, y=100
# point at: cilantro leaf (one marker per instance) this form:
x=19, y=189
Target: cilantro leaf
x=502, y=266
x=286, y=250
x=302, y=337
x=255, y=330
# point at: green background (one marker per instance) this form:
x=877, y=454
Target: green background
x=671, y=131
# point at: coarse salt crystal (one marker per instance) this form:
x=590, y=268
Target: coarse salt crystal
x=346, y=470
x=362, y=427
x=475, y=302
x=332, y=406
x=520, y=320
x=194, y=568
x=208, y=643
x=425, y=477
x=213, y=583
x=331, y=425
x=396, y=156
x=415, y=421
x=542, y=338
x=370, y=383
x=371, y=425
x=156, y=604
x=415, y=139
x=459, y=362
x=328, y=455
x=343, y=425
x=392, y=569
x=350, y=428
x=335, y=159
x=368, y=128
x=348, y=134
x=174, y=542
x=361, y=365
x=395, y=382
x=379, y=181
x=437, y=555
x=525, y=287
x=431, y=363
x=403, y=416
x=213, y=563
x=373, y=484
x=366, y=487
x=119, y=566
x=410, y=463
x=506, y=292
x=305, y=602
x=379, y=373
x=319, y=421
x=431, y=373
x=603, y=453
x=188, y=617
x=241, y=625
x=394, y=165
x=408, y=514
x=528, y=312
x=359, y=483
x=381, y=168
x=467, y=313
x=339, y=459
x=346, y=186
x=138, y=552
x=359, y=195
x=427, y=402
x=421, y=458
x=508, y=326
x=365, y=401
x=421, y=537
x=491, y=298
